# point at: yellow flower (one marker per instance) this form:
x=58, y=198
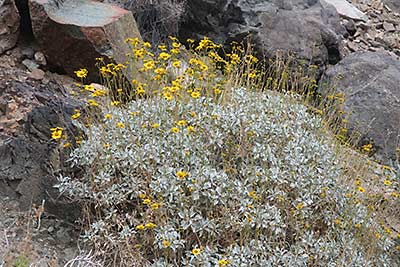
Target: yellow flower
x=108, y=116
x=99, y=92
x=120, y=125
x=105, y=145
x=367, y=148
x=196, y=251
x=93, y=103
x=146, y=201
x=155, y=206
x=147, y=44
x=164, y=56
x=182, y=174
x=56, y=133
x=190, y=128
x=76, y=115
x=140, y=90
x=115, y=103
x=235, y=58
x=387, y=182
x=176, y=45
x=299, y=206
x=149, y=65
x=252, y=75
x=223, y=263
x=195, y=95
x=140, y=227
x=253, y=194
x=181, y=123
x=89, y=87
x=168, y=96
x=155, y=125
x=217, y=91
x=133, y=41
x=139, y=53
x=175, y=130
x=66, y=145
x=361, y=189
x=176, y=64
x=166, y=243
x=189, y=71
x=162, y=47
x=150, y=225
x=203, y=67
x=175, y=51
x=82, y=73
x=160, y=71
x=142, y=196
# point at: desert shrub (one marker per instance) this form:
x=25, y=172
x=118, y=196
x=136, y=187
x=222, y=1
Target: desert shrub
x=198, y=170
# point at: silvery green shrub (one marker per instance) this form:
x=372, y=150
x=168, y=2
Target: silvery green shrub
x=253, y=180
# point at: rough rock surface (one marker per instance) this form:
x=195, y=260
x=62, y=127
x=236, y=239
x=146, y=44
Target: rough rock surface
x=9, y=25
x=370, y=83
x=28, y=157
x=74, y=33
x=307, y=28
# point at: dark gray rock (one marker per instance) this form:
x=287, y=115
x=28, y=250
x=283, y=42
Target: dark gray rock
x=9, y=25
x=370, y=82
x=307, y=28
x=29, y=158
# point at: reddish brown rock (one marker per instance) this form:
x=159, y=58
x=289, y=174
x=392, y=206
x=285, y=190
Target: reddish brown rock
x=9, y=25
x=72, y=34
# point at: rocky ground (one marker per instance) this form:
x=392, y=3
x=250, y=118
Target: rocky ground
x=26, y=240
x=381, y=32
x=35, y=95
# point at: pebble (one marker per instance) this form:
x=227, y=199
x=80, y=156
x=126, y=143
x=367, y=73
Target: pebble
x=37, y=74
x=30, y=65
x=40, y=58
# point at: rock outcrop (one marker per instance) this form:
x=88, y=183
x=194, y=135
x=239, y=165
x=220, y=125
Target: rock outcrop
x=370, y=84
x=9, y=25
x=74, y=33
x=309, y=29
x=29, y=158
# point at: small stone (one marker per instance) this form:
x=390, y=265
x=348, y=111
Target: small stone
x=37, y=74
x=50, y=229
x=40, y=58
x=350, y=27
x=389, y=27
x=30, y=65
x=27, y=52
x=352, y=46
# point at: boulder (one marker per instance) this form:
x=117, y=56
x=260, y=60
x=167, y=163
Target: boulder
x=72, y=34
x=370, y=84
x=9, y=25
x=309, y=29
x=346, y=10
